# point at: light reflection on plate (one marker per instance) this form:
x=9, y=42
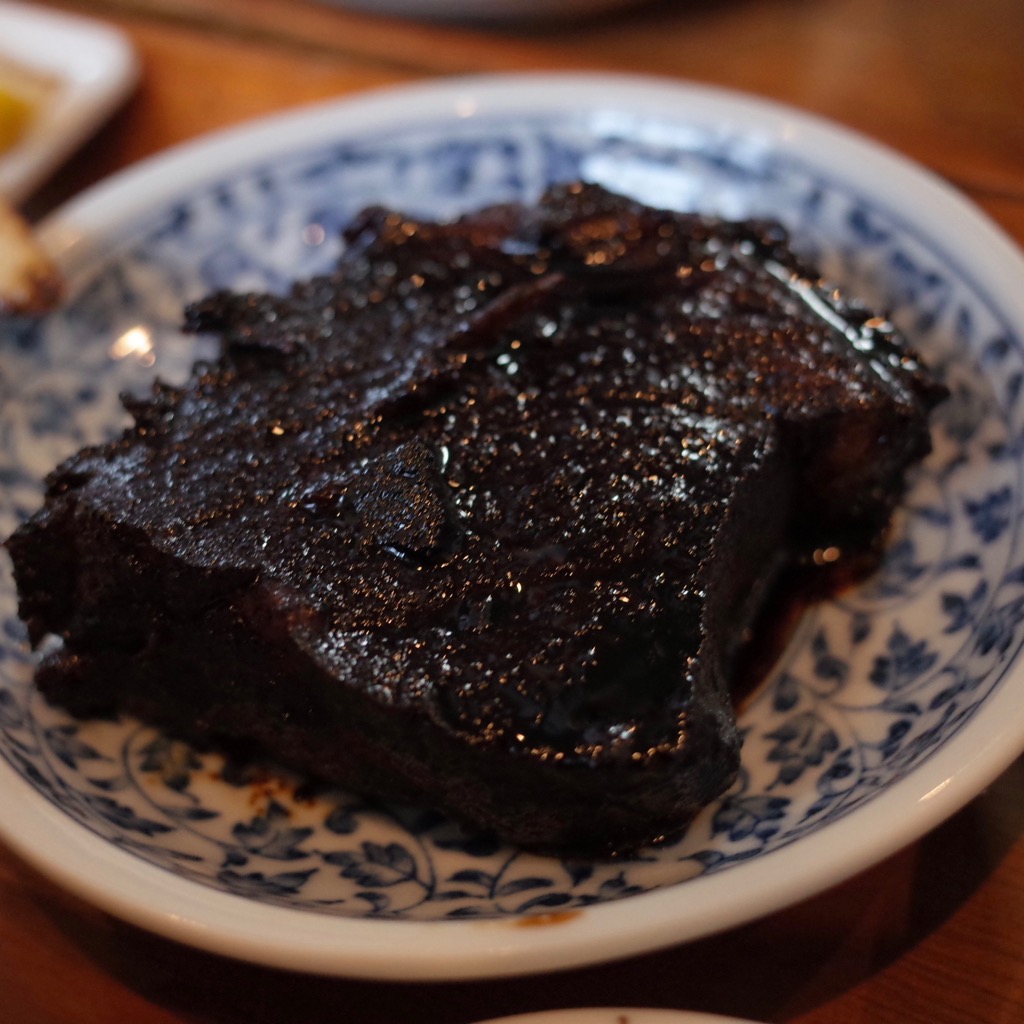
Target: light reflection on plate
x=890, y=708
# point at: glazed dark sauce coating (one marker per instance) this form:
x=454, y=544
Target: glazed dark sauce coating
x=492, y=506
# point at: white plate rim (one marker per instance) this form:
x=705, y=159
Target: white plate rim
x=96, y=67
x=186, y=911
x=614, y=1015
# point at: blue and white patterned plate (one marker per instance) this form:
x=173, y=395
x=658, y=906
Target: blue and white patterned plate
x=890, y=708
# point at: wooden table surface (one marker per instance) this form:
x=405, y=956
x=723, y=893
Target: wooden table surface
x=933, y=935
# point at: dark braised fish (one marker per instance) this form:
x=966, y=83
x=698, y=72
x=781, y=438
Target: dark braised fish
x=482, y=518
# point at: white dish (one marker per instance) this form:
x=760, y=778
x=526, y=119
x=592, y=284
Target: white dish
x=94, y=68
x=890, y=708
x=616, y=1015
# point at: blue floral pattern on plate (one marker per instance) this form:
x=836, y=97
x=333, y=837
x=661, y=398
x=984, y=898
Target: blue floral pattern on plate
x=869, y=686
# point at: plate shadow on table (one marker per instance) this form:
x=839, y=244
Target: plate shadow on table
x=628, y=15
x=770, y=970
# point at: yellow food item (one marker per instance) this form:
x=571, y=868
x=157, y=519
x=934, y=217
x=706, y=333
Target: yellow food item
x=15, y=114
x=22, y=94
